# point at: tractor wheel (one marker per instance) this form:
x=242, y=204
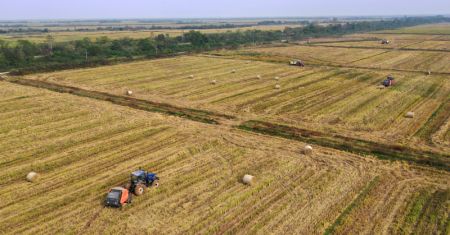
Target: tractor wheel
x=155, y=183
x=139, y=190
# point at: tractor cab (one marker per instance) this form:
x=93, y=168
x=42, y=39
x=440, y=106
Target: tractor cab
x=138, y=176
x=118, y=197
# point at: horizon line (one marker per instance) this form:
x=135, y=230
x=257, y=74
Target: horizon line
x=226, y=18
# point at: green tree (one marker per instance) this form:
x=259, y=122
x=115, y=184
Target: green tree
x=196, y=38
x=147, y=46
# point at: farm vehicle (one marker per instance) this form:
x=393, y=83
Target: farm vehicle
x=389, y=81
x=297, y=63
x=139, y=182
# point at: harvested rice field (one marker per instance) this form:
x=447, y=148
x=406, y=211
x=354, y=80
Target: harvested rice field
x=81, y=147
x=317, y=54
x=331, y=151
x=394, y=36
x=375, y=58
x=443, y=45
x=337, y=99
x=439, y=29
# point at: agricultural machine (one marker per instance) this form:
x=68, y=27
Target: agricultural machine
x=139, y=182
x=118, y=197
x=389, y=81
x=297, y=63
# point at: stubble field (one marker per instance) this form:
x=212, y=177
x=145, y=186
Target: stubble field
x=83, y=147
x=88, y=136
x=337, y=99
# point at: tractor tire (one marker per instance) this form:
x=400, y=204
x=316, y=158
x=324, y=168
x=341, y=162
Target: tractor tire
x=155, y=183
x=139, y=189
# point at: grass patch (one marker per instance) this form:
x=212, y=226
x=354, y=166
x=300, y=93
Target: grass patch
x=426, y=213
x=434, y=215
x=436, y=120
x=355, y=203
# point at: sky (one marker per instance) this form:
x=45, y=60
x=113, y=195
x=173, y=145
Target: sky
x=107, y=9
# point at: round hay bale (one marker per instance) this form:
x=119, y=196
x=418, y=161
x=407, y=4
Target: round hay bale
x=32, y=177
x=129, y=93
x=233, y=71
x=429, y=72
x=258, y=76
x=191, y=76
x=409, y=115
x=308, y=150
x=248, y=179
x=213, y=82
x=276, y=78
x=277, y=86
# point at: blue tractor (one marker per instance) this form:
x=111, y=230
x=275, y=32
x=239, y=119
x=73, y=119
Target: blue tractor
x=141, y=180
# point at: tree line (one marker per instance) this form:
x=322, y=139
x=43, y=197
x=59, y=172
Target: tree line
x=152, y=27
x=126, y=28
x=24, y=56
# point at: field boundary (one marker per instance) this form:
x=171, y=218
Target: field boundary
x=146, y=105
x=382, y=151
